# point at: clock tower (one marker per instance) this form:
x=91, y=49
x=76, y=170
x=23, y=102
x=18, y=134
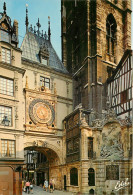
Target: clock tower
x=95, y=35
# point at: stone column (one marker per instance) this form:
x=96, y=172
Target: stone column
x=85, y=133
x=16, y=85
x=84, y=177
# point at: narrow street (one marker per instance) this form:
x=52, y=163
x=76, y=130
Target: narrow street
x=39, y=191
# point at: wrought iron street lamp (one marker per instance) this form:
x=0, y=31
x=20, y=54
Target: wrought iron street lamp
x=5, y=121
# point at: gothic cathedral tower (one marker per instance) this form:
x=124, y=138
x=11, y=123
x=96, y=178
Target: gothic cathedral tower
x=95, y=35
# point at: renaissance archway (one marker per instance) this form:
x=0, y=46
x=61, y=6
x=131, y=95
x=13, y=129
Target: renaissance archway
x=43, y=161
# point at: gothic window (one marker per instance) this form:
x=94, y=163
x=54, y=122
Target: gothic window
x=90, y=147
x=74, y=177
x=6, y=86
x=110, y=34
x=5, y=115
x=6, y=55
x=7, y=148
x=91, y=177
x=45, y=82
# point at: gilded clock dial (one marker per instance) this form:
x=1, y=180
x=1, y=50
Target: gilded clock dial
x=41, y=111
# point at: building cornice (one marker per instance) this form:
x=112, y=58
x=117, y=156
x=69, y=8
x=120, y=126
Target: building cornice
x=12, y=68
x=13, y=131
x=44, y=68
x=12, y=159
x=34, y=91
x=64, y=98
x=42, y=134
x=113, y=65
x=84, y=63
x=10, y=45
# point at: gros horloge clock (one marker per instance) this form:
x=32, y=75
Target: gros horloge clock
x=41, y=111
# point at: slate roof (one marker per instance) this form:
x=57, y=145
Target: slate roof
x=30, y=49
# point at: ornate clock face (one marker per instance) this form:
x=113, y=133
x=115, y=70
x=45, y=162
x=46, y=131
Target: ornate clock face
x=41, y=111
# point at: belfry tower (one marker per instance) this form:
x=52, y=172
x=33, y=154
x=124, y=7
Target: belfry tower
x=95, y=35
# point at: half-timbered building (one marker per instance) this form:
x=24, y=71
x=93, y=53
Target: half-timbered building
x=120, y=86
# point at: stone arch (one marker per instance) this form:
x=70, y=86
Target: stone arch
x=43, y=145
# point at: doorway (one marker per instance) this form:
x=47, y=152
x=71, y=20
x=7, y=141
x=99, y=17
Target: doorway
x=64, y=182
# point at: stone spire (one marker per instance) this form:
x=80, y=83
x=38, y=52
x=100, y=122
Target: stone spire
x=4, y=8
x=38, y=25
x=26, y=20
x=49, y=30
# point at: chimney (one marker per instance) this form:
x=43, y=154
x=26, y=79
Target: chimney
x=15, y=27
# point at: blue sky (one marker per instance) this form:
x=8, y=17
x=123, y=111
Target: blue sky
x=39, y=9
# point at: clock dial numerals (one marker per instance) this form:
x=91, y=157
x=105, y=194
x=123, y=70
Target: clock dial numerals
x=41, y=111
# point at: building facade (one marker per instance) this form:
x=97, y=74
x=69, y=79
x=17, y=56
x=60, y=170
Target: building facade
x=11, y=107
x=96, y=43
x=35, y=97
x=68, y=122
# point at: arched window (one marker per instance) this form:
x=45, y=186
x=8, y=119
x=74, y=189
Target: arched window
x=74, y=177
x=110, y=34
x=91, y=177
x=91, y=192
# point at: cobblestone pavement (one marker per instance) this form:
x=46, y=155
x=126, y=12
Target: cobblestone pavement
x=39, y=191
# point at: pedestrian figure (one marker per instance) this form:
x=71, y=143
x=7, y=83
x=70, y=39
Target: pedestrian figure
x=27, y=187
x=53, y=184
x=50, y=186
x=31, y=188
x=46, y=185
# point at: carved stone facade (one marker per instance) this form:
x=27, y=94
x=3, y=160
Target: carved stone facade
x=96, y=43
x=107, y=155
x=86, y=149
x=35, y=97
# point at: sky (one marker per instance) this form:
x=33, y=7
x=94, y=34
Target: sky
x=16, y=10
x=39, y=9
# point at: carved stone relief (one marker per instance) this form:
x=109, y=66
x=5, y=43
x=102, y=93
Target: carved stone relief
x=111, y=147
